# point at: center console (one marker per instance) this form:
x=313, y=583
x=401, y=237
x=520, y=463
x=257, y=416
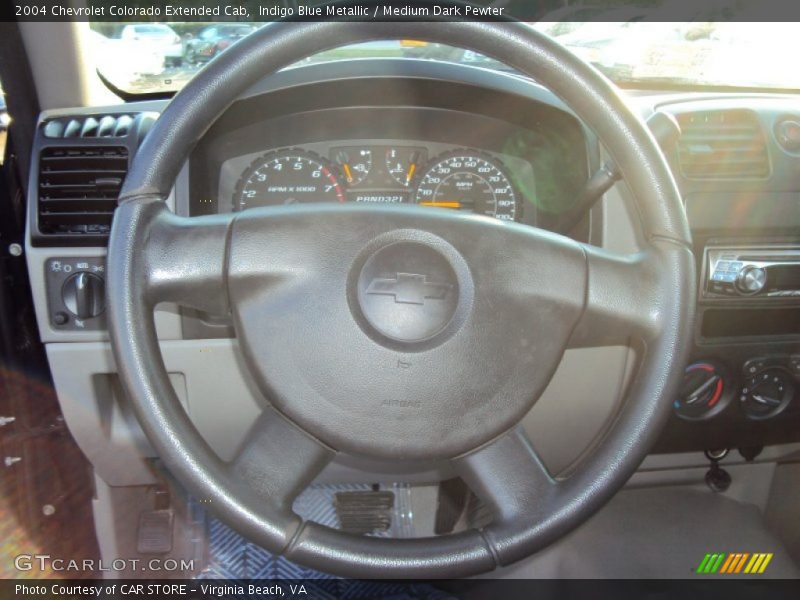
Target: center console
x=741, y=388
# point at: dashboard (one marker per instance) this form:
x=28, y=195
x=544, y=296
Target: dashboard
x=447, y=137
x=416, y=141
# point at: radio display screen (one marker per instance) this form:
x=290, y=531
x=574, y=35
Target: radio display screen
x=784, y=277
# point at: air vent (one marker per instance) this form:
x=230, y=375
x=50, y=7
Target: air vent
x=78, y=189
x=98, y=126
x=722, y=144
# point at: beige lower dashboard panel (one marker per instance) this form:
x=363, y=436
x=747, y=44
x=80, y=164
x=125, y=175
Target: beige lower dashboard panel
x=222, y=401
x=208, y=378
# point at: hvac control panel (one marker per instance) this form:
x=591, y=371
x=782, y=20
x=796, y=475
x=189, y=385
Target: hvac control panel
x=765, y=389
x=76, y=295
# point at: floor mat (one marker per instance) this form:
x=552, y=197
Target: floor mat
x=232, y=556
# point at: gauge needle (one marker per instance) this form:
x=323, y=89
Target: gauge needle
x=348, y=173
x=411, y=169
x=442, y=204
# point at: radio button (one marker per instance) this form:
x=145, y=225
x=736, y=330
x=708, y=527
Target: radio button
x=751, y=280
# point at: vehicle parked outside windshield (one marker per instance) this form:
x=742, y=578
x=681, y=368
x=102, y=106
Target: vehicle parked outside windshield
x=126, y=62
x=157, y=35
x=212, y=40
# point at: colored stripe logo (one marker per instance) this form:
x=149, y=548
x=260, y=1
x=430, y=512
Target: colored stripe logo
x=734, y=563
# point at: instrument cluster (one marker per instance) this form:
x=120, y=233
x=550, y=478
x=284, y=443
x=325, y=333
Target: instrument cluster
x=381, y=172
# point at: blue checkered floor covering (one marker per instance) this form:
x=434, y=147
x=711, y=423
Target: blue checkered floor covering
x=233, y=557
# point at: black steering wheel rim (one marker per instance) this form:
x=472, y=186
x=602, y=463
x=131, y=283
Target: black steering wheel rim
x=534, y=510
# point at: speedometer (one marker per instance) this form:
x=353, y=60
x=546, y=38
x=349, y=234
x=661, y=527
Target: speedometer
x=287, y=177
x=470, y=182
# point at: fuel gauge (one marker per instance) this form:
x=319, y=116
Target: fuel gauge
x=354, y=162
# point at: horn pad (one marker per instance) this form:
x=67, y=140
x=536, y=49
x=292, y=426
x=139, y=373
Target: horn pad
x=384, y=339
x=407, y=292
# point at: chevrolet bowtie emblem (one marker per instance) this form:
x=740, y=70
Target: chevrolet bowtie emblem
x=408, y=288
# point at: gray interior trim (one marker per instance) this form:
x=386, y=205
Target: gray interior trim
x=62, y=78
x=168, y=321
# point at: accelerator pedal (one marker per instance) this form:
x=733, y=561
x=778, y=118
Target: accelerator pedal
x=363, y=512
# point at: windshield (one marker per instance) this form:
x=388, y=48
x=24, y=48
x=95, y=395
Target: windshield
x=163, y=57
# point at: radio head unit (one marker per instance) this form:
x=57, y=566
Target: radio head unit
x=747, y=272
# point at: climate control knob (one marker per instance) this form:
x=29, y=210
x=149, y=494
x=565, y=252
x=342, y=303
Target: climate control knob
x=767, y=393
x=84, y=295
x=751, y=280
x=704, y=392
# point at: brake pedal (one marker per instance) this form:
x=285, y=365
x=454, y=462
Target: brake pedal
x=154, y=535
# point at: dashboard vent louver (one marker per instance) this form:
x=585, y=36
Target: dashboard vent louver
x=98, y=126
x=79, y=187
x=722, y=144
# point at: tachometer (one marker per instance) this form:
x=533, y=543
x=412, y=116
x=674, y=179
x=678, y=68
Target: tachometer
x=287, y=177
x=466, y=181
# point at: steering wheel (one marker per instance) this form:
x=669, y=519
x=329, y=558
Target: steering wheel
x=399, y=333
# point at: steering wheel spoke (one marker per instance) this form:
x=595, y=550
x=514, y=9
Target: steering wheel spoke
x=624, y=298
x=508, y=476
x=271, y=444
x=180, y=259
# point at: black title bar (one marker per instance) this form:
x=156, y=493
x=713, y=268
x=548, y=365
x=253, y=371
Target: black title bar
x=419, y=10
